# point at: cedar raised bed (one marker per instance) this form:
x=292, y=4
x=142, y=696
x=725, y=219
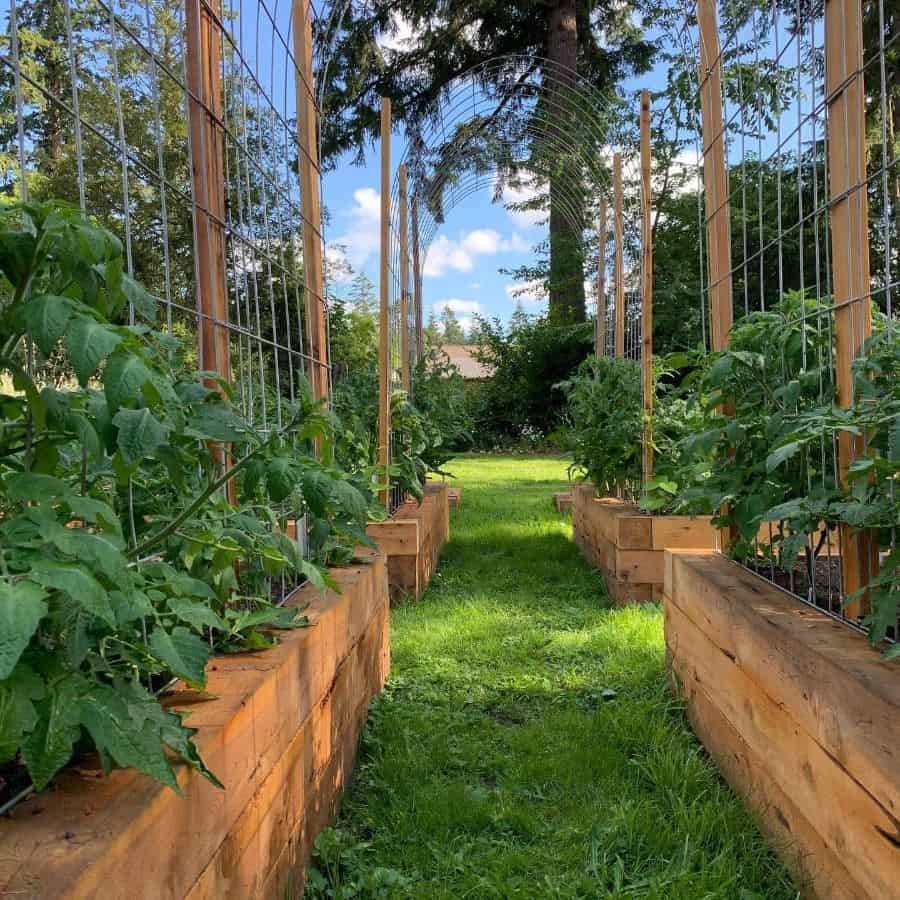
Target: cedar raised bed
x=412, y=539
x=801, y=716
x=279, y=729
x=628, y=545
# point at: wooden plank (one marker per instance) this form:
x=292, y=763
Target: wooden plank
x=677, y=532
x=310, y=200
x=603, y=234
x=646, y=289
x=640, y=566
x=848, y=819
x=90, y=836
x=634, y=532
x=384, y=347
x=796, y=841
x=849, y=216
x=818, y=668
x=404, y=281
x=619, y=257
x=396, y=537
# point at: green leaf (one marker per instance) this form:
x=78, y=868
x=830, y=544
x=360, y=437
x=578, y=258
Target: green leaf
x=109, y=721
x=197, y=615
x=49, y=746
x=782, y=454
x=140, y=433
x=17, y=710
x=216, y=423
x=124, y=377
x=138, y=296
x=78, y=584
x=89, y=342
x=22, y=606
x=17, y=250
x=46, y=318
x=280, y=479
x=184, y=653
x=350, y=500
x=35, y=487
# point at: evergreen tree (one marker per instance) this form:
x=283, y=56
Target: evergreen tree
x=453, y=332
x=562, y=39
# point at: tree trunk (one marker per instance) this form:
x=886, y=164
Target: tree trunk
x=566, y=288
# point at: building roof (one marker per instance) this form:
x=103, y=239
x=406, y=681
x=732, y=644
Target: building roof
x=469, y=367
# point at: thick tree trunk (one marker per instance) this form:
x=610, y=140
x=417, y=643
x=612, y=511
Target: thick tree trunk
x=566, y=189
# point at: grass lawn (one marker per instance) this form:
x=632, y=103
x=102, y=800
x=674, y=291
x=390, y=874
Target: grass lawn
x=527, y=744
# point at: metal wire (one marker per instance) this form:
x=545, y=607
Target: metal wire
x=104, y=114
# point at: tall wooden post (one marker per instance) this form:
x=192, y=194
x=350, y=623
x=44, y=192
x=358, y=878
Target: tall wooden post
x=849, y=250
x=715, y=176
x=404, y=282
x=204, y=80
x=310, y=202
x=715, y=190
x=205, y=113
x=384, y=346
x=619, y=260
x=646, y=287
x=600, y=347
x=417, y=281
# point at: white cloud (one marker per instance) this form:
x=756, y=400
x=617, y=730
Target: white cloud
x=400, y=35
x=444, y=254
x=457, y=306
x=459, y=255
x=523, y=192
x=363, y=234
x=531, y=293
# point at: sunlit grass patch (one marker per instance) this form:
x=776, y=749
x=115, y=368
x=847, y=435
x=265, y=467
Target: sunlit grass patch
x=528, y=744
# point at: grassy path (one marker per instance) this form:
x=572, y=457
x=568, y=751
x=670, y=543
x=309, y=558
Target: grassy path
x=527, y=745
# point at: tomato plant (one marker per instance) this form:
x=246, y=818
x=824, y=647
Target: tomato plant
x=123, y=560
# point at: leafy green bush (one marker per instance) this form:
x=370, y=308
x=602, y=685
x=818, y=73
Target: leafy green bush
x=606, y=417
x=604, y=407
x=427, y=428
x=120, y=534
x=768, y=445
x=517, y=404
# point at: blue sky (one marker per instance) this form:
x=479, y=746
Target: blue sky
x=462, y=267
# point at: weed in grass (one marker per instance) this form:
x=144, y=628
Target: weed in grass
x=527, y=744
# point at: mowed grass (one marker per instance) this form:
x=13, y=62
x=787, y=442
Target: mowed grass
x=527, y=744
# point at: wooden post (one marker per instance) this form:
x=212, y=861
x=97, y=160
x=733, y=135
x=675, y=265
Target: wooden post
x=417, y=281
x=600, y=348
x=205, y=115
x=204, y=57
x=715, y=176
x=384, y=347
x=646, y=287
x=310, y=202
x=849, y=250
x=715, y=190
x=619, y=260
x=404, y=282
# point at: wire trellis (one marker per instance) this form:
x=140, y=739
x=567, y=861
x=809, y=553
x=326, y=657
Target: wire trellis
x=174, y=125
x=809, y=139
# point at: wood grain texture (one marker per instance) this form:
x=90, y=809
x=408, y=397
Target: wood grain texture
x=818, y=709
x=275, y=727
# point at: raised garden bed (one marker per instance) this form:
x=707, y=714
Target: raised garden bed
x=412, y=539
x=563, y=500
x=628, y=545
x=279, y=729
x=801, y=716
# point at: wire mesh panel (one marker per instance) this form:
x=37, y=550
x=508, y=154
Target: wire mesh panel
x=174, y=125
x=800, y=246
